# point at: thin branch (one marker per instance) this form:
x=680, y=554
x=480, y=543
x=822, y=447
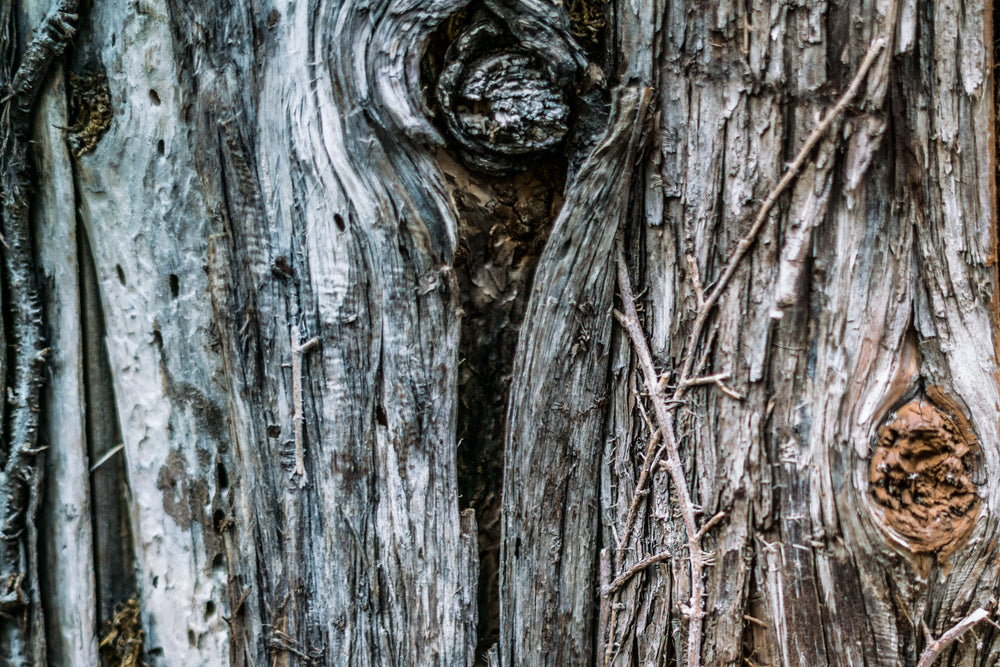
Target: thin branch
x=638, y=494
x=654, y=384
x=791, y=172
x=710, y=524
x=936, y=646
x=623, y=578
x=665, y=419
x=699, y=290
x=107, y=456
x=605, y=606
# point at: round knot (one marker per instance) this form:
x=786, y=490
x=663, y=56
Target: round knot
x=920, y=475
x=501, y=103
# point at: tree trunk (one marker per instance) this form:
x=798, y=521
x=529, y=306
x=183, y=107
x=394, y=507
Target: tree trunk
x=327, y=284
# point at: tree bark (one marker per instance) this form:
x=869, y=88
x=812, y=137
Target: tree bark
x=285, y=250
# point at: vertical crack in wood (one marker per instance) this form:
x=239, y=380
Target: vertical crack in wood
x=112, y=533
x=503, y=223
x=511, y=145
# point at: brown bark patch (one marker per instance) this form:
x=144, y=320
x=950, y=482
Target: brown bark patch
x=183, y=496
x=90, y=108
x=921, y=476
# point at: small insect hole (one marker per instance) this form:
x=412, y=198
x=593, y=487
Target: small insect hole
x=175, y=285
x=380, y=416
x=339, y=220
x=218, y=562
x=209, y=609
x=154, y=97
x=121, y=273
x=161, y=147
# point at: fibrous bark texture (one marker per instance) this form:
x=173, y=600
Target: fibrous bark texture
x=871, y=284
x=287, y=255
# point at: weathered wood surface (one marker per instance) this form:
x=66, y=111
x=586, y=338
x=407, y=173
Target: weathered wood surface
x=273, y=240
x=551, y=472
x=872, y=282
x=257, y=188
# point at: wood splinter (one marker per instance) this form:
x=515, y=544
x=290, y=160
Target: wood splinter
x=299, y=350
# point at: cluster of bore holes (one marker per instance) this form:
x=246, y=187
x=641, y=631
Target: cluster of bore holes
x=921, y=475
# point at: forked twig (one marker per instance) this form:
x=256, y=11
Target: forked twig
x=689, y=377
x=791, y=172
x=936, y=646
x=665, y=420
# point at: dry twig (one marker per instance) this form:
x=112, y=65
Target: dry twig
x=298, y=418
x=691, y=368
x=936, y=646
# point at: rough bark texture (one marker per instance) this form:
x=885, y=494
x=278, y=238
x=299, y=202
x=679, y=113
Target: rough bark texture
x=872, y=283
x=309, y=278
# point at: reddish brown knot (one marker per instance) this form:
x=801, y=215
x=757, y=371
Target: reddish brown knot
x=921, y=476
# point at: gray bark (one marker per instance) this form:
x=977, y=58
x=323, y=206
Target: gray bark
x=285, y=251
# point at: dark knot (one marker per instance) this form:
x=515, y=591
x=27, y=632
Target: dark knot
x=502, y=103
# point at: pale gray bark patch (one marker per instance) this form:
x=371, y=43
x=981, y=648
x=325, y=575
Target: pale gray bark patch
x=145, y=219
x=278, y=189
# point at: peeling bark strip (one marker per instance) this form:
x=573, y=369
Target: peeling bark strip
x=22, y=631
x=556, y=412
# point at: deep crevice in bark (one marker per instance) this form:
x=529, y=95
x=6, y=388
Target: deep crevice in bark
x=114, y=558
x=504, y=222
x=503, y=225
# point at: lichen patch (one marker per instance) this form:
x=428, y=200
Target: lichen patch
x=921, y=476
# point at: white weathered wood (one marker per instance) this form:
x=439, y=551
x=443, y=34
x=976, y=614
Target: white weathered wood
x=271, y=200
x=65, y=531
x=146, y=221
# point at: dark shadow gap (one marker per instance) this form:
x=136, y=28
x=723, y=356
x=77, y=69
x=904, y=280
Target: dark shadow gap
x=504, y=221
